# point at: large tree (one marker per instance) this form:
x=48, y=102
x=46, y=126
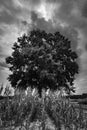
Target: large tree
x=42, y=60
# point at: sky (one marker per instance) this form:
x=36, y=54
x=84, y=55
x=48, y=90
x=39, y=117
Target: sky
x=67, y=16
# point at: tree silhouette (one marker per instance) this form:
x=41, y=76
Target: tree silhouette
x=42, y=60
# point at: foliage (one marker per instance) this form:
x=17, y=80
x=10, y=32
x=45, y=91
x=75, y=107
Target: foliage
x=42, y=60
x=63, y=113
x=14, y=111
x=29, y=109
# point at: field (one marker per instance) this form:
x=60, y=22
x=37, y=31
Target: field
x=33, y=113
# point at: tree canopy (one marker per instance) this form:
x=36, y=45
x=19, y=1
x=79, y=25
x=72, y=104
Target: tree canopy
x=42, y=60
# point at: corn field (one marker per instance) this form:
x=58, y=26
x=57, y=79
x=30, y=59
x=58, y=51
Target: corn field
x=28, y=112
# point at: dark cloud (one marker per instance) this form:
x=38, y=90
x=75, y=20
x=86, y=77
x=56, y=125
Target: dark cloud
x=34, y=2
x=66, y=7
x=84, y=8
x=41, y=23
x=25, y=23
x=31, y=2
x=86, y=46
x=84, y=11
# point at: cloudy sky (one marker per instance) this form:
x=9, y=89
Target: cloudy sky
x=67, y=16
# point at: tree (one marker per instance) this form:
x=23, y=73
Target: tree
x=42, y=60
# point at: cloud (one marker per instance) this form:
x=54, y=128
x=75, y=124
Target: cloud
x=1, y=32
x=2, y=54
x=3, y=65
x=84, y=9
x=41, y=23
x=8, y=12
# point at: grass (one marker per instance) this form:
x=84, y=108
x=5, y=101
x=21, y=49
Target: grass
x=27, y=111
